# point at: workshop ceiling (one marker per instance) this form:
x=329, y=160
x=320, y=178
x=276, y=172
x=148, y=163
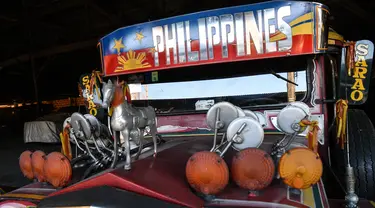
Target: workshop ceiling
x=62, y=36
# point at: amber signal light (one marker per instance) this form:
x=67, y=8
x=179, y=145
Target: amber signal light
x=252, y=169
x=37, y=162
x=207, y=172
x=25, y=164
x=57, y=169
x=300, y=168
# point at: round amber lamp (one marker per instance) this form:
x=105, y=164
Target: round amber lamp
x=252, y=169
x=57, y=169
x=25, y=164
x=300, y=168
x=207, y=172
x=37, y=161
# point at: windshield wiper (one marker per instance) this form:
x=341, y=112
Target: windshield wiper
x=165, y=111
x=280, y=77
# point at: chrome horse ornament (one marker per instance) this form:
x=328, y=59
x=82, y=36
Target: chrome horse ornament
x=127, y=119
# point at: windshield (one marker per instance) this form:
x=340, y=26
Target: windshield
x=247, y=90
x=238, y=86
x=247, y=84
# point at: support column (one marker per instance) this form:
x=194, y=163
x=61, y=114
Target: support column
x=35, y=82
x=291, y=88
x=27, y=26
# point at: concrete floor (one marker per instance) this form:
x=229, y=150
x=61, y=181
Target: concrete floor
x=11, y=147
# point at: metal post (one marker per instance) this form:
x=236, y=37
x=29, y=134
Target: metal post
x=351, y=198
x=291, y=88
x=31, y=57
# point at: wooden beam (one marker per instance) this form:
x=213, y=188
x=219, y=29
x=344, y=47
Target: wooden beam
x=48, y=52
x=15, y=73
x=56, y=6
x=9, y=19
x=46, y=63
x=52, y=8
x=353, y=7
x=110, y=17
x=51, y=26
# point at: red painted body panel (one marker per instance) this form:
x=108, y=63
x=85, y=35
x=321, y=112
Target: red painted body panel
x=158, y=177
x=195, y=120
x=35, y=188
x=17, y=203
x=32, y=192
x=163, y=177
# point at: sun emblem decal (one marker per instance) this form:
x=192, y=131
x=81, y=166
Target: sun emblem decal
x=132, y=61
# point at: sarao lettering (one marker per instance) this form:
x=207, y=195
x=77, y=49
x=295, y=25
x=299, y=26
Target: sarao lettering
x=360, y=72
